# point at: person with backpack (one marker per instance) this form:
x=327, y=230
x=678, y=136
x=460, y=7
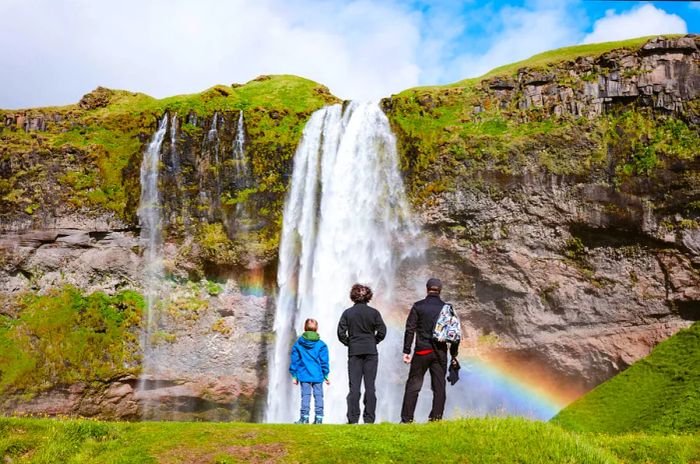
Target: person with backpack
x=309, y=367
x=361, y=328
x=433, y=324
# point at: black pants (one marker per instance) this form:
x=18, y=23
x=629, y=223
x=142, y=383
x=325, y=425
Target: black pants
x=436, y=362
x=360, y=367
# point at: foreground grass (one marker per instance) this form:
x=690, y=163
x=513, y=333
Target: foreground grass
x=660, y=393
x=487, y=440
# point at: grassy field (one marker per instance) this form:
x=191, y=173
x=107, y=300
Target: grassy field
x=488, y=440
x=660, y=393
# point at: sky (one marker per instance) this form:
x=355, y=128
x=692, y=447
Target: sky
x=54, y=51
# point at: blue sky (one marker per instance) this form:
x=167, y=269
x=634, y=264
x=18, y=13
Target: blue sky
x=366, y=49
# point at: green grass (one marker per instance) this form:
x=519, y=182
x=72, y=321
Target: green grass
x=660, y=393
x=488, y=440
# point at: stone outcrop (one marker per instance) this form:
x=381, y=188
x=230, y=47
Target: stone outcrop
x=663, y=74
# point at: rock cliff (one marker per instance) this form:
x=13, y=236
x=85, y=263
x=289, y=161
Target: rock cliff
x=561, y=198
x=563, y=204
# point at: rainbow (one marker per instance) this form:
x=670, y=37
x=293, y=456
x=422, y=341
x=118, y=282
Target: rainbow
x=491, y=385
x=492, y=388
x=252, y=282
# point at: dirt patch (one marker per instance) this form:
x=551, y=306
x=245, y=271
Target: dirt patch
x=263, y=453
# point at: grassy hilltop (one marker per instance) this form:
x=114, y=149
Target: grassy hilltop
x=660, y=393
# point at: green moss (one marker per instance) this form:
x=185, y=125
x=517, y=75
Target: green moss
x=64, y=337
x=110, y=139
x=221, y=327
x=574, y=249
x=216, y=246
x=660, y=393
x=213, y=288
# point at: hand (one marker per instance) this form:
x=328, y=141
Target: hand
x=328, y=382
x=295, y=381
x=407, y=358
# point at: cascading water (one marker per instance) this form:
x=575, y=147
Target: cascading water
x=239, y=148
x=346, y=220
x=173, y=146
x=151, y=222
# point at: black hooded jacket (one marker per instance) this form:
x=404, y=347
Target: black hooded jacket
x=360, y=328
x=420, y=324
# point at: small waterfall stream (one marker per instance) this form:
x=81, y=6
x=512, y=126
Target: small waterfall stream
x=151, y=222
x=346, y=220
x=239, y=148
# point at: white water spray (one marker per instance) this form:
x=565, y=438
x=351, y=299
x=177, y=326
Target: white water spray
x=346, y=220
x=151, y=221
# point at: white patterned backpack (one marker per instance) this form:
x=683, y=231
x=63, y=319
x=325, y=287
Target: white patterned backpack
x=447, y=326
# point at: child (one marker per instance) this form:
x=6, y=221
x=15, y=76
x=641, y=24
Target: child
x=309, y=366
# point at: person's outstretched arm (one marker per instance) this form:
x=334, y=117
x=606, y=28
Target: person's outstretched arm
x=343, y=330
x=379, y=327
x=409, y=334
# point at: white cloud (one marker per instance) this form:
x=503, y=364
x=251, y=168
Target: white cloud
x=520, y=32
x=58, y=50
x=639, y=21
x=61, y=50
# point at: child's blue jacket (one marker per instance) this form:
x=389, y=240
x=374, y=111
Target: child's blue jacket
x=309, y=361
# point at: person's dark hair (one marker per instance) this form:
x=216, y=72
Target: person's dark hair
x=360, y=293
x=311, y=325
x=434, y=285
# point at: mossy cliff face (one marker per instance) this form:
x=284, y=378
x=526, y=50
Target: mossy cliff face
x=562, y=197
x=70, y=192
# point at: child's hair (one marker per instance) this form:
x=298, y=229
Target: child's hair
x=360, y=293
x=311, y=325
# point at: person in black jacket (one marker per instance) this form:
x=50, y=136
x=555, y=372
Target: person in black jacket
x=428, y=355
x=361, y=328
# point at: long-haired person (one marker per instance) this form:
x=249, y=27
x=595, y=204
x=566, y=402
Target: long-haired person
x=361, y=328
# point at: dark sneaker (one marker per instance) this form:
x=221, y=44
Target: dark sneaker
x=303, y=420
x=318, y=420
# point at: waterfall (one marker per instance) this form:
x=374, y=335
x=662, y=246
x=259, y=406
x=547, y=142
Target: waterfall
x=173, y=148
x=242, y=175
x=239, y=149
x=151, y=222
x=150, y=217
x=211, y=143
x=213, y=132
x=346, y=220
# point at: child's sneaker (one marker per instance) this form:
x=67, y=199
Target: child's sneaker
x=303, y=420
x=318, y=420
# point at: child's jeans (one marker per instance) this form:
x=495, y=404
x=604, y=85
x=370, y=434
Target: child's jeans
x=306, y=388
